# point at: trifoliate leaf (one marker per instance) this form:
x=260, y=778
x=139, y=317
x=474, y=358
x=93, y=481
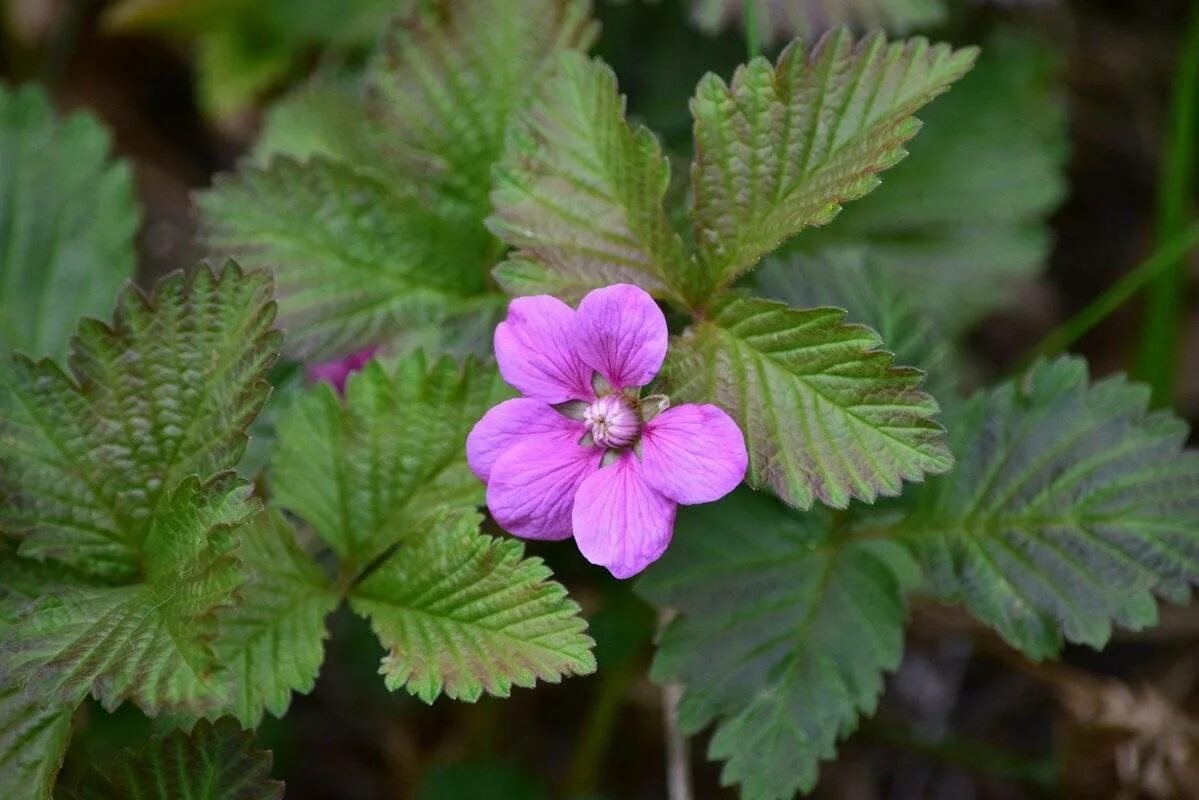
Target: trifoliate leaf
x=68, y=216
x=214, y=762
x=462, y=613
x=147, y=641
x=389, y=462
x=579, y=193
x=358, y=260
x=786, y=629
x=33, y=740
x=1071, y=505
x=272, y=643
x=786, y=19
x=968, y=207
x=825, y=414
x=166, y=391
x=783, y=147
x=452, y=75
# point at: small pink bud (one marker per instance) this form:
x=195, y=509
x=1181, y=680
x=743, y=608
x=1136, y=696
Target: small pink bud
x=612, y=421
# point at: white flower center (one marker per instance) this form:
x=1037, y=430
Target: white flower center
x=612, y=421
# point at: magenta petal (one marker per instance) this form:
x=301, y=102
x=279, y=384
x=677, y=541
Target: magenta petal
x=622, y=334
x=535, y=348
x=693, y=453
x=620, y=521
x=533, y=484
x=336, y=373
x=510, y=423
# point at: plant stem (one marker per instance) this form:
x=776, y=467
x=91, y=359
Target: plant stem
x=1157, y=356
x=597, y=733
x=753, y=45
x=1172, y=252
x=678, y=773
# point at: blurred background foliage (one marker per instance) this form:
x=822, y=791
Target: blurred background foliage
x=1039, y=182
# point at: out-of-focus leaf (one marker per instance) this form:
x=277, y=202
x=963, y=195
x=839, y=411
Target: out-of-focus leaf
x=1071, y=507
x=785, y=631
x=473, y=780
x=33, y=740
x=68, y=219
x=826, y=414
x=786, y=19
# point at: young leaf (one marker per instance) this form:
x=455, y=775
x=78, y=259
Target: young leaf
x=784, y=635
x=967, y=208
x=786, y=19
x=214, y=762
x=781, y=148
x=1071, y=506
x=358, y=259
x=388, y=463
x=825, y=413
x=272, y=644
x=579, y=193
x=463, y=613
x=68, y=216
x=166, y=391
x=147, y=641
x=33, y=740
x=451, y=76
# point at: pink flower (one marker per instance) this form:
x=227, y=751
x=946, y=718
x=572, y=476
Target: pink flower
x=336, y=373
x=582, y=453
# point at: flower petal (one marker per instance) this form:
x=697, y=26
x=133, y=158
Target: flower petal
x=693, y=453
x=533, y=485
x=622, y=334
x=535, y=348
x=620, y=521
x=510, y=423
x=336, y=373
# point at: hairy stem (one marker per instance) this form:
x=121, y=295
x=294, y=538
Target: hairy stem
x=1157, y=356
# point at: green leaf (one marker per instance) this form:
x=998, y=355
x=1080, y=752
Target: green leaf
x=871, y=295
x=167, y=391
x=825, y=413
x=968, y=208
x=579, y=193
x=1072, y=504
x=272, y=643
x=475, y=779
x=358, y=259
x=33, y=740
x=68, y=216
x=452, y=75
x=783, y=147
x=388, y=463
x=786, y=629
x=147, y=641
x=464, y=613
x=214, y=762
x=786, y=19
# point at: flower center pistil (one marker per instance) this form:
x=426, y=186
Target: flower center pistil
x=612, y=421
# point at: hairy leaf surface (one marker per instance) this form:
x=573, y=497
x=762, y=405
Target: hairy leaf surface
x=1071, y=506
x=968, y=207
x=782, y=147
x=462, y=613
x=166, y=391
x=785, y=632
x=825, y=413
x=388, y=463
x=33, y=740
x=213, y=762
x=147, y=641
x=579, y=193
x=68, y=219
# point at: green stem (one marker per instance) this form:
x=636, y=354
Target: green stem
x=1157, y=356
x=973, y=755
x=753, y=45
x=597, y=733
x=1172, y=252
